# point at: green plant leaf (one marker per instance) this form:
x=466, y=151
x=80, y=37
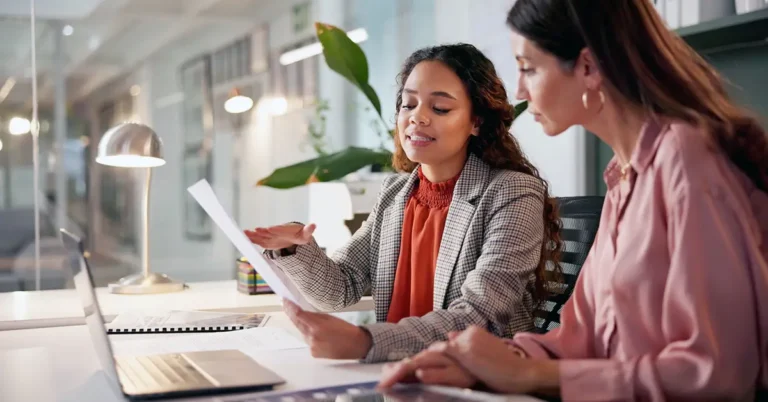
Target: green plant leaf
x=520, y=108
x=325, y=168
x=346, y=58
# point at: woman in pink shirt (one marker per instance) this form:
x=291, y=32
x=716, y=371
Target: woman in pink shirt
x=672, y=302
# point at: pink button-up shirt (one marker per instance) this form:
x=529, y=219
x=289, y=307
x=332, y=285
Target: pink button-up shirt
x=672, y=301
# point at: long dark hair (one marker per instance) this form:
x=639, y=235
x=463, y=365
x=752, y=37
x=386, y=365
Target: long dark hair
x=649, y=66
x=493, y=144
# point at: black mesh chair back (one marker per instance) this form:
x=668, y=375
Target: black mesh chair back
x=580, y=217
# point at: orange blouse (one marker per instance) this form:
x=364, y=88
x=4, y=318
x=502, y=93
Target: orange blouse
x=423, y=225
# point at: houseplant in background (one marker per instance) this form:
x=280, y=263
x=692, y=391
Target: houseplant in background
x=346, y=58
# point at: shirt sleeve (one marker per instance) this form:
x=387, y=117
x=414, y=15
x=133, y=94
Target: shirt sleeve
x=708, y=320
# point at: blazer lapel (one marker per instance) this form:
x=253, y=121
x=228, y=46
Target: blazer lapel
x=468, y=189
x=391, y=236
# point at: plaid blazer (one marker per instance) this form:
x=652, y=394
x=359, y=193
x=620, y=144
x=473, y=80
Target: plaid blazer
x=490, y=248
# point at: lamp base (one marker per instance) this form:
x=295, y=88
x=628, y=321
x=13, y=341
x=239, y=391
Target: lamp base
x=139, y=284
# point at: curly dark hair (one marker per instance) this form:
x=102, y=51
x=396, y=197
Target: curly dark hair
x=494, y=144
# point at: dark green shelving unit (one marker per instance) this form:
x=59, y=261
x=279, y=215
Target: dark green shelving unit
x=723, y=33
x=737, y=46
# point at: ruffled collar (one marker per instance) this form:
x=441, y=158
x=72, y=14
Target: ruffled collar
x=434, y=195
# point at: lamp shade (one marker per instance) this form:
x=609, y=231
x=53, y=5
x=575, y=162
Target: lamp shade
x=237, y=102
x=130, y=145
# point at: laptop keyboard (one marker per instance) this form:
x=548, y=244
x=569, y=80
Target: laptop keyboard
x=163, y=371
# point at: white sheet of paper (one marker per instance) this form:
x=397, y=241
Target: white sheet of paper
x=280, y=283
x=249, y=341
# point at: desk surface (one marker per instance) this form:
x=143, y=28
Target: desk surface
x=22, y=310
x=60, y=364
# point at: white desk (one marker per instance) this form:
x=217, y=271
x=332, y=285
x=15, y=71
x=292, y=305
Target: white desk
x=60, y=364
x=48, y=308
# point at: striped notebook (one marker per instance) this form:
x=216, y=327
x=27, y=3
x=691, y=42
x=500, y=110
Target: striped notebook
x=183, y=321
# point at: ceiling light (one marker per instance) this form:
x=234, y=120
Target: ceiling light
x=67, y=30
x=292, y=56
x=1, y=145
x=238, y=103
x=19, y=126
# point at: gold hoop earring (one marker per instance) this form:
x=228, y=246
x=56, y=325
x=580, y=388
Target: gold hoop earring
x=585, y=99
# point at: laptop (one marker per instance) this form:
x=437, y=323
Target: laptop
x=164, y=375
x=367, y=392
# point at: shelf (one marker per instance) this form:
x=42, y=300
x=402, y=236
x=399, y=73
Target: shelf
x=734, y=30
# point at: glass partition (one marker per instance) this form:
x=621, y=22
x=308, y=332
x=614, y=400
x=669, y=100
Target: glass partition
x=172, y=66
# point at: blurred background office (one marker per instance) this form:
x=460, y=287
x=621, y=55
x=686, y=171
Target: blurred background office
x=174, y=64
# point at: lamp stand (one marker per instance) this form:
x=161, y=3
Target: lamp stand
x=146, y=282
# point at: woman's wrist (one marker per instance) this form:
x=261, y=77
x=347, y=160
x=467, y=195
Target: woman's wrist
x=546, y=377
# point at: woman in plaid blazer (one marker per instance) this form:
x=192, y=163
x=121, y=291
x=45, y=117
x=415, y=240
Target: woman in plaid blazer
x=453, y=120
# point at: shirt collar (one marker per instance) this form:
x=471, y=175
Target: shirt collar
x=647, y=145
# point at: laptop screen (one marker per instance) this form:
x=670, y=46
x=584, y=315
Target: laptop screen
x=85, y=290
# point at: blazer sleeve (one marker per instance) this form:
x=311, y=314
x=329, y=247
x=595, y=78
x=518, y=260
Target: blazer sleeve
x=333, y=283
x=493, y=292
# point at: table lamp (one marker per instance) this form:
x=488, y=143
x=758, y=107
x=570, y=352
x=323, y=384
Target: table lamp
x=134, y=145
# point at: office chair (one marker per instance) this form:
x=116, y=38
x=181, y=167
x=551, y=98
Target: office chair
x=580, y=217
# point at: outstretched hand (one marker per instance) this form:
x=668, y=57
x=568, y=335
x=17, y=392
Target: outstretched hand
x=281, y=236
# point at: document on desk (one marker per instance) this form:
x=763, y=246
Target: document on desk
x=280, y=283
x=249, y=341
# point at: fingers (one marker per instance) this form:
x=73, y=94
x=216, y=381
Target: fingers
x=310, y=324
x=453, y=376
x=292, y=233
x=438, y=347
x=257, y=238
x=407, y=368
x=466, y=346
x=395, y=373
x=297, y=317
x=306, y=233
x=262, y=237
x=288, y=231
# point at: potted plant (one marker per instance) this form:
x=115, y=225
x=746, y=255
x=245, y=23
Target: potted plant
x=346, y=58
